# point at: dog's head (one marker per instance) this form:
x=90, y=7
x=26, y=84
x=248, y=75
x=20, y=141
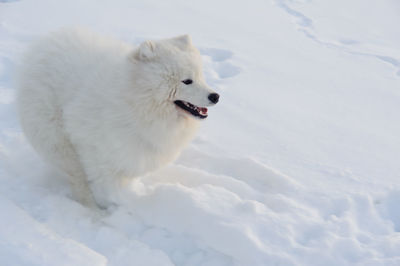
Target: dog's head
x=171, y=72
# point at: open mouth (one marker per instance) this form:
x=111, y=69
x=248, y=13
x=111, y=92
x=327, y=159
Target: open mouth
x=200, y=112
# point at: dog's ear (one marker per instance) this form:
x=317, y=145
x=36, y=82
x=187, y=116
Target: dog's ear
x=146, y=51
x=184, y=42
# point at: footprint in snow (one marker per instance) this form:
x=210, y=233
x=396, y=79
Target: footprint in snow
x=389, y=208
x=218, y=65
x=217, y=55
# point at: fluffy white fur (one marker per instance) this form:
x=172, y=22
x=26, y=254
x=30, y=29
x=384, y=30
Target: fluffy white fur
x=102, y=110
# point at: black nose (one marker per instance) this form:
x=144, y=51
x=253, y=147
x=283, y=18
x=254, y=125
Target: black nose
x=213, y=97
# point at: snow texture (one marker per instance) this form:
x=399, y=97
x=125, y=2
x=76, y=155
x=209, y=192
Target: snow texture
x=297, y=165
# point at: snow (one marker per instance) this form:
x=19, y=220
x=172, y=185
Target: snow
x=297, y=165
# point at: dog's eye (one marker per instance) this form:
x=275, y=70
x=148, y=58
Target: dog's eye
x=187, y=81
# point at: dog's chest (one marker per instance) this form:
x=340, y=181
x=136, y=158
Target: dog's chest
x=155, y=147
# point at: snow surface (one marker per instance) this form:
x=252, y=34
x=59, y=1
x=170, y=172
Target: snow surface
x=297, y=165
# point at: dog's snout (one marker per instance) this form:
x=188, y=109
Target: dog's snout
x=213, y=97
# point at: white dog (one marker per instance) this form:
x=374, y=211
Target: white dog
x=102, y=110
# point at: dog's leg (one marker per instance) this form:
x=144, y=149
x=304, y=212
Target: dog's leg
x=80, y=188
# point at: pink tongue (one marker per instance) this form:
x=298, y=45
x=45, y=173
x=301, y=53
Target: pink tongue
x=203, y=109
